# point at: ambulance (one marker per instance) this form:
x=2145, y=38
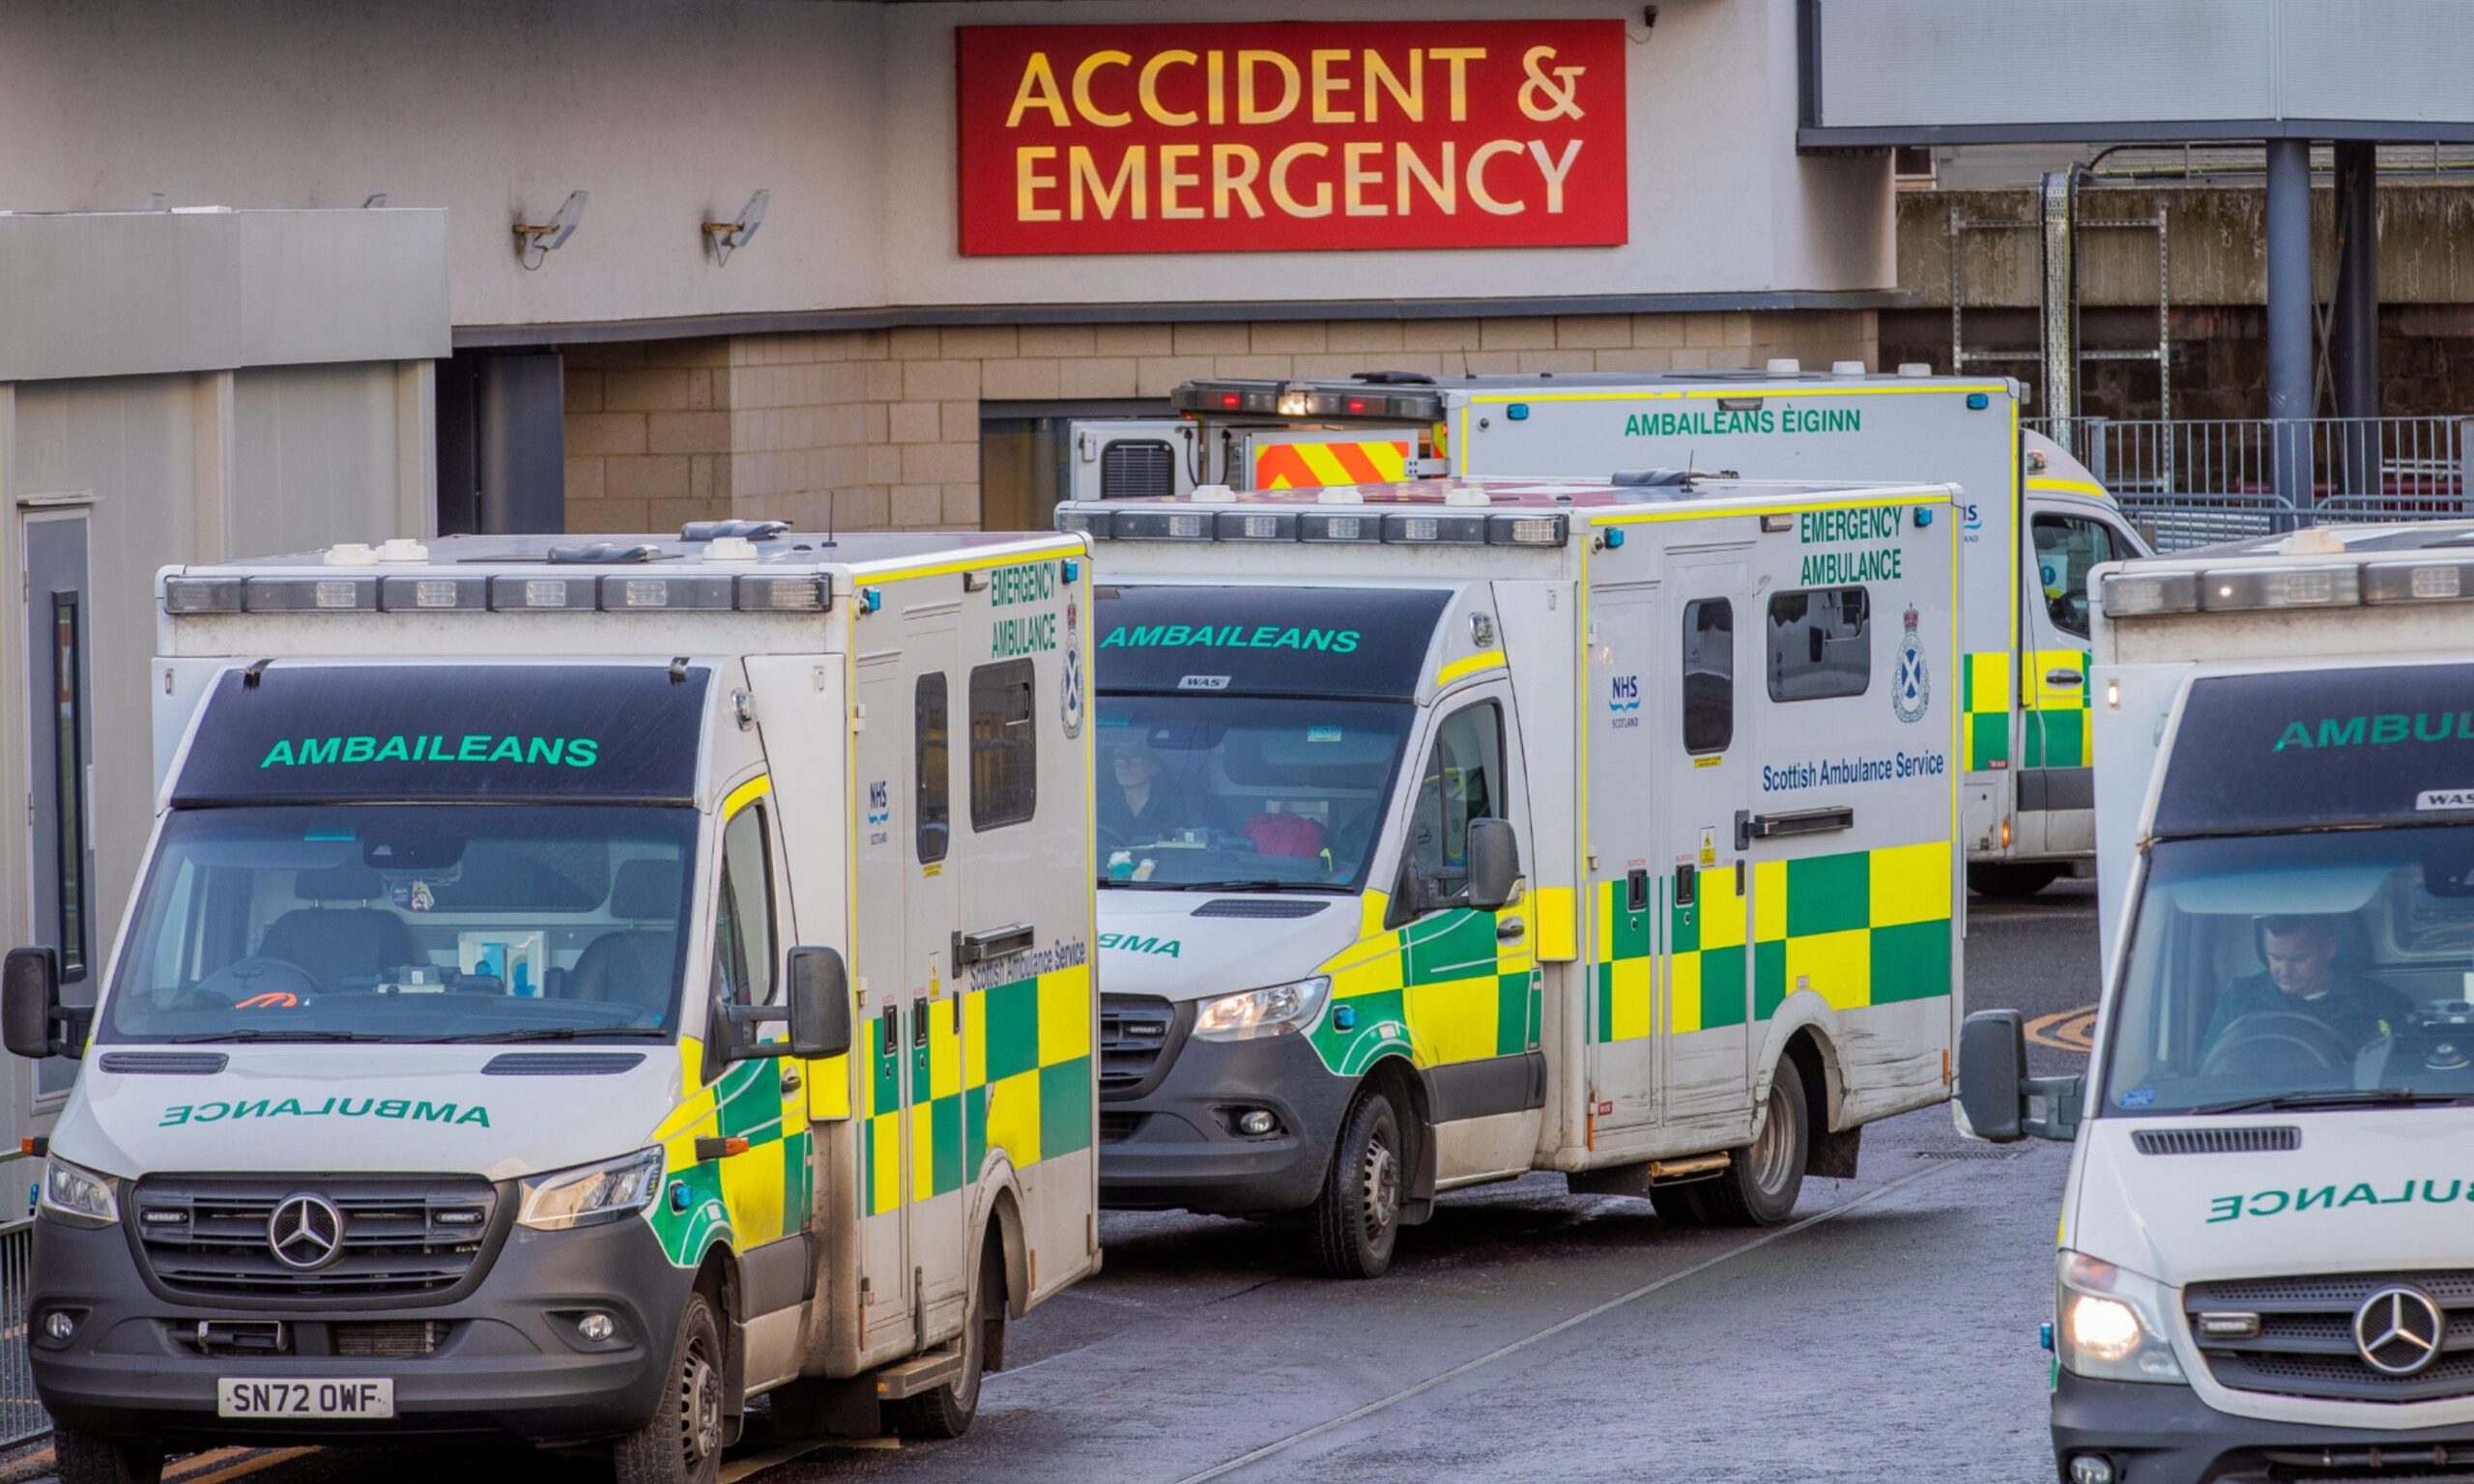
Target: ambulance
x=2265, y=1267
x=577, y=987
x=2032, y=519
x=1456, y=828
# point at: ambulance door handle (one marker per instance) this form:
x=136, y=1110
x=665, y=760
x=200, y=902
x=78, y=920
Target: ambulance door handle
x=1510, y=929
x=919, y=1022
x=792, y=1082
x=991, y=943
x=1750, y=826
x=2063, y=677
x=1684, y=877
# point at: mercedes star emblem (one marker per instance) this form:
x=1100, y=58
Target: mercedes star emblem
x=306, y=1231
x=2398, y=1331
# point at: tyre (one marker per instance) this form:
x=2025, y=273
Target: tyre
x=682, y=1442
x=2009, y=882
x=947, y=1410
x=1357, y=1218
x=1764, y=1177
x=94, y=1458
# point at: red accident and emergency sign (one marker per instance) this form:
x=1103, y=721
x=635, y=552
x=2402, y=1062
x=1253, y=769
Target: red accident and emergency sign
x=1222, y=138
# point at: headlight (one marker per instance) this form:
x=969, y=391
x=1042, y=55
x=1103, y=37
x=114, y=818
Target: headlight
x=1273, y=1011
x=2111, y=1323
x=591, y=1193
x=78, y=1196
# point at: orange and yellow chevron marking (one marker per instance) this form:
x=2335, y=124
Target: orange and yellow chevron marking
x=1310, y=465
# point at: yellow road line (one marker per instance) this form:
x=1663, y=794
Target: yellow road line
x=2065, y=1030
x=246, y=1467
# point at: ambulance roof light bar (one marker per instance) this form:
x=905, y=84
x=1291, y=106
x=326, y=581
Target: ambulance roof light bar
x=504, y=594
x=2137, y=594
x=1387, y=401
x=1395, y=528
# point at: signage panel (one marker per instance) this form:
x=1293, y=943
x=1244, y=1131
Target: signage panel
x=1302, y=136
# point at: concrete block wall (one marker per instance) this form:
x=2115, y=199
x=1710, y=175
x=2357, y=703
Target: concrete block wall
x=880, y=429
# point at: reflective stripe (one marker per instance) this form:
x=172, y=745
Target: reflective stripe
x=1310, y=465
x=745, y=795
x=1488, y=659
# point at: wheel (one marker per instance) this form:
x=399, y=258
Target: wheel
x=1763, y=1180
x=2010, y=881
x=947, y=1410
x=682, y=1442
x=93, y=1458
x=1682, y=1205
x=1357, y=1218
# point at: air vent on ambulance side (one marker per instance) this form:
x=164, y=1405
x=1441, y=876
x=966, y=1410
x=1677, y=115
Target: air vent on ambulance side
x=1138, y=469
x=2273, y=1139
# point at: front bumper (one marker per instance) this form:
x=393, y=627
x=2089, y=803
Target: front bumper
x=508, y=1364
x=2157, y=1434
x=1169, y=1143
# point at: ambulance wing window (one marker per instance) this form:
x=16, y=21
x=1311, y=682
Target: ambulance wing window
x=1709, y=675
x=2067, y=546
x=743, y=939
x=1004, y=745
x=1463, y=780
x=932, y=769
x=1820, y=644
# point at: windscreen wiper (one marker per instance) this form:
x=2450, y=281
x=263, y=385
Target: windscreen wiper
x=544, y=1033
x=257, y=1033
x=2328, y=1098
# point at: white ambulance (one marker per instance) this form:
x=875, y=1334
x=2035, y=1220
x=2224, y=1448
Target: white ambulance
x=576, y=987
x=2032, y=519
x=1456, y=828
x=2266, y=1263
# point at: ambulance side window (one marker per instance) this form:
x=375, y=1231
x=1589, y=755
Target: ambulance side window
x=1820, y=644
x=1709, y=675
x=1004, y=745
x=743, y=951
x=1463, y=780
x=932, y=769
x=2066, y=547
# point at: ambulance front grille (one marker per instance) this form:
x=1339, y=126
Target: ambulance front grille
x=208, y=1238
x=2305, y=1346
x=1134, y=1031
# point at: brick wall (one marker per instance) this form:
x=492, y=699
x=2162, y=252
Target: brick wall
x=880, y=429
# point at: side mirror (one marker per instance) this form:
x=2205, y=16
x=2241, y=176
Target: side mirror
x=1993, y=1072
x=819, y=1002
x=1494, y=864
x=30, y=1002
x=1996, y=1094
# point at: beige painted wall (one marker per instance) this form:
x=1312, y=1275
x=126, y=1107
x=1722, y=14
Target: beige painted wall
x=670, y=112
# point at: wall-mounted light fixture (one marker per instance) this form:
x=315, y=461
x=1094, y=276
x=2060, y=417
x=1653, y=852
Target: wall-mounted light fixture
x=534, y=242
x=727, y=237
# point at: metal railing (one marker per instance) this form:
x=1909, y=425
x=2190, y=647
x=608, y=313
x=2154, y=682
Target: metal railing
x=2194, y=481
x=22, y=1419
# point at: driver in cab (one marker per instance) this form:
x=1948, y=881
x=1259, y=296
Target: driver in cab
x=2306, y=976
x=1138, y=803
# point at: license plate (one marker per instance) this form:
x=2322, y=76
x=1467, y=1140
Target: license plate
x=246, y=1397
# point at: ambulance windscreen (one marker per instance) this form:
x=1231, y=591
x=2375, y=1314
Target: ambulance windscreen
x=312, y=733
x=2319, y=749
x=1356, y=643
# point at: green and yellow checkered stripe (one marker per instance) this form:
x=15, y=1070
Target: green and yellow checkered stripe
x=1014, y=1076
x=1861, y=928
x=1706, y=964
x=1624, y=1003
x=759, y=1195
x=1858, y=928
x=1984, y=696
x=1443, y=990
x=2058, y=735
